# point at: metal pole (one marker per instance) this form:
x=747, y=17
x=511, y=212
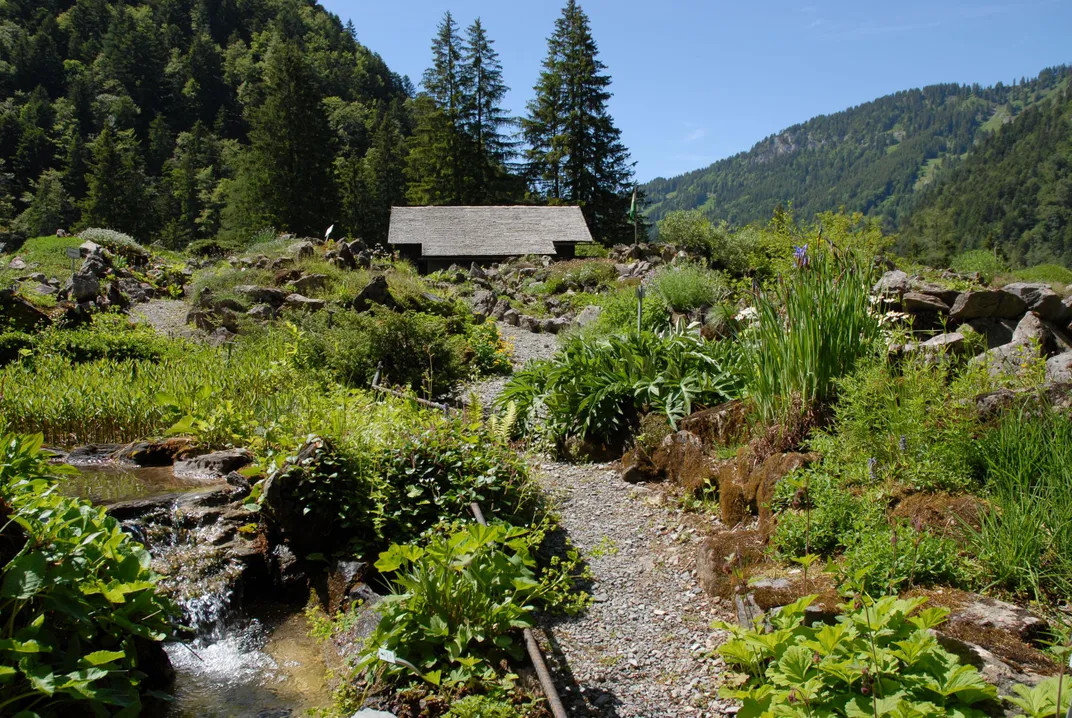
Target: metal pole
x=549, y=690
x=640, y=309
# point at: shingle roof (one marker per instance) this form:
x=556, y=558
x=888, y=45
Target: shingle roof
x=487, y=231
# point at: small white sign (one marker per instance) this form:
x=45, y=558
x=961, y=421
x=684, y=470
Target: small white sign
x=327, y=234
x=74, y=253
x=386, y=656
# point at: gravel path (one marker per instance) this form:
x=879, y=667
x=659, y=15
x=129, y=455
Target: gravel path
x=167, y=316
x=527, y=345
x=644, y=648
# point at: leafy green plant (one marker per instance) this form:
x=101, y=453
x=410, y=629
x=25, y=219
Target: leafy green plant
x=599, y=388
x=491, y=353
x=816, y=515
x=482, y=707
x=78, y=597
x=899, y=556
x=914, y=424
x=879, y=659
x=813, y=327
x=457, y=605
x=1041, y=701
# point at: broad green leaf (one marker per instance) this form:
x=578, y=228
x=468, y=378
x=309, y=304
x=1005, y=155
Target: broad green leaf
x=99, y=658
x=24, y=576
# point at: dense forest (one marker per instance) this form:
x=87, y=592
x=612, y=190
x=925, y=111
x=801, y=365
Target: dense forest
x=1013, y=193
x=186, y=120
x=874, y=158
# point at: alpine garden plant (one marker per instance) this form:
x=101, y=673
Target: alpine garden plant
x=78, y=604
x=457, y=607
x=879, y=659
x=812, y=327
x=598, y=388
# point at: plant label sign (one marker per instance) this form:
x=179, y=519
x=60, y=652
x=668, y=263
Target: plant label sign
x=74, y=254
x=387, y=656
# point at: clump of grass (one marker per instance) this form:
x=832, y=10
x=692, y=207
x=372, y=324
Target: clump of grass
x=1025, y=541
x=1052, y=274
x=690, y=286
x=814, y=325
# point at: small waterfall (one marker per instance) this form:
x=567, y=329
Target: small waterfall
x=234, y=663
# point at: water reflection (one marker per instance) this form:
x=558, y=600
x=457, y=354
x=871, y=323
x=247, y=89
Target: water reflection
x=107, y=484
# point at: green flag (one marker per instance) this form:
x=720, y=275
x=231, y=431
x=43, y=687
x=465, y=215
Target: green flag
x=632, y=207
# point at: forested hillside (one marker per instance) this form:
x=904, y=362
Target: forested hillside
x=1012, y=193
x=873, y=158
x=179, y=118
x=185, y=120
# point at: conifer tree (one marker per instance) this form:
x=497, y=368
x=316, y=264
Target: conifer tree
x=115, y=182
x=575, y=151
x=288, y=168
x=437, y=157
x=483, y=118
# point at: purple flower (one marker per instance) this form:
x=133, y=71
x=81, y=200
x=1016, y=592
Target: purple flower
x=800, y=256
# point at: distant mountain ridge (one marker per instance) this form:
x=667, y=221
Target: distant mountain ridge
x=874, y=158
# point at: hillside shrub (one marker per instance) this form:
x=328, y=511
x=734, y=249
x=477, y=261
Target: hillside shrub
x=722, y=247
x=78, y=597
x=689, y=286
x=1025, y=540
x=619, y=313
x=816, y=516
x=895, y=557
x=108, y=336
x=423, y=352
x=578, y=273
x=914, y=425
x=879, y=659
x=599, y=388
x=813, y=326
x=13, y=345
x=122, y=244
x=457, y=605
x=1052, y=274
x=978, y=260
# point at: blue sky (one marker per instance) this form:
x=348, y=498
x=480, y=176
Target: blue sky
x=697, y=81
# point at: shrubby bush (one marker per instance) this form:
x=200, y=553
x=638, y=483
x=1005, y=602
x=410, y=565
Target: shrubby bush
x=122, y=244
x=78, y=604
x=722, y=247
x=421, y=351
x=890, y=557
x=583, y=273
x=689, y=286
x=914, y=424
x=619, y=313
x=816, y=515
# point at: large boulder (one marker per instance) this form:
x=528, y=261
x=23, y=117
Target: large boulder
x=484, y=302
x=987, y=303
x=588, y=316
x=305, y=304
x=306, y=529
x=1009, y=359
x=83, y=287
x=1059, y=369
x=304, y=250
x=916, y=303
x=262, y=295
x=996, y=332
x=681, y=460
x=309, y=283
x=18, y=314
x=210, y=467
x=945, y=295
x=892, y=284
x=1039, y=299
x=375, y=292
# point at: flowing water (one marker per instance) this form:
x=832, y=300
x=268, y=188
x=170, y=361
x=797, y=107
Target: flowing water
x=255, y=660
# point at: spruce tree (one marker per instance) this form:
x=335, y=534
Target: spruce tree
x=575, y=151
x=115, y=183
x=437, y=159
x=483, y=118
x=288, y=167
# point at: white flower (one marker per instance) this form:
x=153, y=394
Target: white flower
x=748, y=314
